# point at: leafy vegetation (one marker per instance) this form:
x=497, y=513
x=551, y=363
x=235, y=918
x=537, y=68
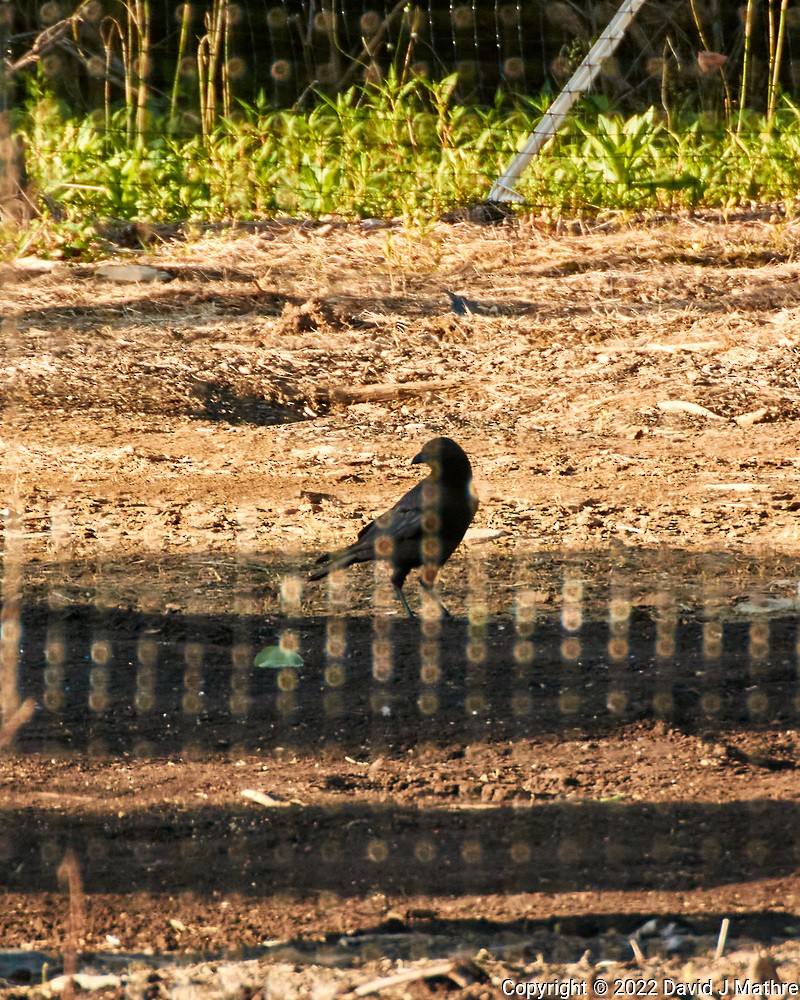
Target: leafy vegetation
x=400, y=149
x=403, y=146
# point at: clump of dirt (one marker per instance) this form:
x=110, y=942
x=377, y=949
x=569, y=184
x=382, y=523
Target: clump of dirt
x=314, y=316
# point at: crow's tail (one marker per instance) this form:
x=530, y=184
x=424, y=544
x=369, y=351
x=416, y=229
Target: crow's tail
x=332, y=561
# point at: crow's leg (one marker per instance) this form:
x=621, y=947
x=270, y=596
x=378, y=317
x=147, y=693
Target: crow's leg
x=398, y=579
x=402, y=598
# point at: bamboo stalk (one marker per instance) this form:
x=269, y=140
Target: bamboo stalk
x=214, y=21
x=748, y=33
x=143, y=50
x=126, y=45
x=107, y=30
x=186, y=15
x=774, y=82
x=226, y=55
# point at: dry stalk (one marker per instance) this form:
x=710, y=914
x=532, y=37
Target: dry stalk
x=208, y=61
x=748, y=33
x=370, y=46
x=69, y=875
x=637, y=951
x=186, y=17
x=776, y=55
x=107, y=29
x=712, y=48
x=47, y=40
x=401, y=978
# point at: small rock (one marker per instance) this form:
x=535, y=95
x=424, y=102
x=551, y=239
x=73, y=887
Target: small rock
x=130, y=274
x=84, y=982
x=483, y=534
x=35, y=265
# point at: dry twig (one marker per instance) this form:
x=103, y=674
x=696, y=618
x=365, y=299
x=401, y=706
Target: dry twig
x=400, y=978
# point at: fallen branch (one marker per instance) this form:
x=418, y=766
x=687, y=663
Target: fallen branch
x=347, y=395
x=410, y=976
x=684, y=406
x=47, y=40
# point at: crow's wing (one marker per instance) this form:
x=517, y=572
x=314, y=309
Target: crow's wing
x=401, y=523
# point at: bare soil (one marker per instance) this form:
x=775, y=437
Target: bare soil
x=172, y=448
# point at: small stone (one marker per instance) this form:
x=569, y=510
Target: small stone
x=131, y=274
x=35, y=265
x=483, y=534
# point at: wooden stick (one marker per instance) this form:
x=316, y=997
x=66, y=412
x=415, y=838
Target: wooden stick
x=684, y=406
x=723, y=937
x=410, y=976
x=262, y=799
x=347, y=395
x=637, y=951
x=370, y=47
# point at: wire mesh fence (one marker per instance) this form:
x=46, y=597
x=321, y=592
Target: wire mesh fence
x=164, y=113
x=281, y=49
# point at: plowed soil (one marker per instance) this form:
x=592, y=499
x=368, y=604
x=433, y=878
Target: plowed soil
x=629, y=397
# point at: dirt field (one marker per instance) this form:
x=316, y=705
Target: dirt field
x=629, y=398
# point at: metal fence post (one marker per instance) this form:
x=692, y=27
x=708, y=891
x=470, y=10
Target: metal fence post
x=578, y=84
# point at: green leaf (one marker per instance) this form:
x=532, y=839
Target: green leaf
x=669, y=183
x=277, y=658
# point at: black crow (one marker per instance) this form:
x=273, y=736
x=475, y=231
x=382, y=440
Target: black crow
x=423, y=528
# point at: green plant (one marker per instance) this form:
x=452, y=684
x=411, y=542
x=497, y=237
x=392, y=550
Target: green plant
x=401, y=148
